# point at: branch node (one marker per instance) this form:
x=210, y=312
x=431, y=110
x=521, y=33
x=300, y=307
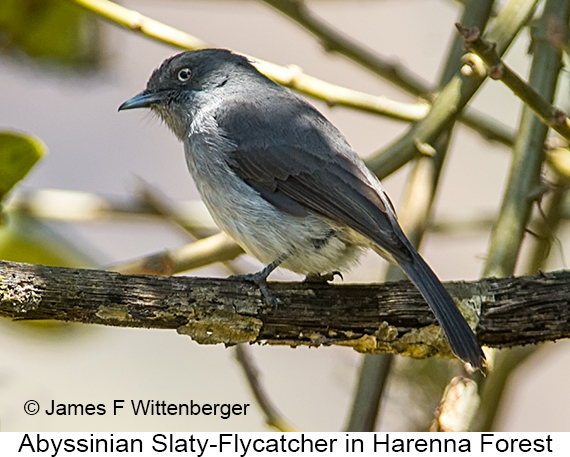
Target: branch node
x=135, y=21
x=294, y=72
x=469, y=34
x=473, y=65
x=424, y=148
x=497, y=71
x=559, y=117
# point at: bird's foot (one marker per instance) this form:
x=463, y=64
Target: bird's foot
x=260, y=279
x=323, y=277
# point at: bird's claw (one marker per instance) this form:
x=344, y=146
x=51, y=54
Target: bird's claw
x=323, y=277
x=260, y=279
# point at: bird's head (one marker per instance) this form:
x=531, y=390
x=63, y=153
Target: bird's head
x=185, y=82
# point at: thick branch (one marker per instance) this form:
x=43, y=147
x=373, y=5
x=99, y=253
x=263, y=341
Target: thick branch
x=389, y=317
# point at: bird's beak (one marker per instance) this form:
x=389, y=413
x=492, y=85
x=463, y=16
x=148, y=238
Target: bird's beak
x=142, y=100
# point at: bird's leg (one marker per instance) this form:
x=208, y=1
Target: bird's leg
x=323, y=277
x=260, y=278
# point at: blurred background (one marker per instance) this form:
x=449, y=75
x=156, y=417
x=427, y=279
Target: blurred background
x=63, y=74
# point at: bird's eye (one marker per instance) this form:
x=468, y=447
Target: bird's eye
x=184, y=75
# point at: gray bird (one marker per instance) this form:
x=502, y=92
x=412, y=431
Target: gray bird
x=282, y=181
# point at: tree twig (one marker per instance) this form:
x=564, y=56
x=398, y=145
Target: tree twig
x=333, y=40
x=454, y=97
x=79, y=206
x=273, y=417
x=550, y=115
x=458, y=406
x=369, y=392
x=289, y=76
x=523, y=189
x=421, y=188
x=215, y=248
x=524, y=182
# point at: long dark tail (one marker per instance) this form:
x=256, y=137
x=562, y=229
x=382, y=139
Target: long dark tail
x=462, y=340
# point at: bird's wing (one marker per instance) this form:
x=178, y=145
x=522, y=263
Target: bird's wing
x=300, y=162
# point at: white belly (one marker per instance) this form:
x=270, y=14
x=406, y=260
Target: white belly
x=312, y=244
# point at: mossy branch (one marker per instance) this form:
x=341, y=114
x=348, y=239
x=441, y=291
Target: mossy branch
x=391, y=317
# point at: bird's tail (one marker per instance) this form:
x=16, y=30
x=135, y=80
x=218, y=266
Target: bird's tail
x=462, y=340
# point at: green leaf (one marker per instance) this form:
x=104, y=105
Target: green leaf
x=59, y=31
x=18, y=154
x=24, y=238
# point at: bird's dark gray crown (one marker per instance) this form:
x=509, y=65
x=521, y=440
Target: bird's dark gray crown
x=204, y=65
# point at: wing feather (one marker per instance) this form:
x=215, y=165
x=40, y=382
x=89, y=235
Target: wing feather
x=300, y=162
